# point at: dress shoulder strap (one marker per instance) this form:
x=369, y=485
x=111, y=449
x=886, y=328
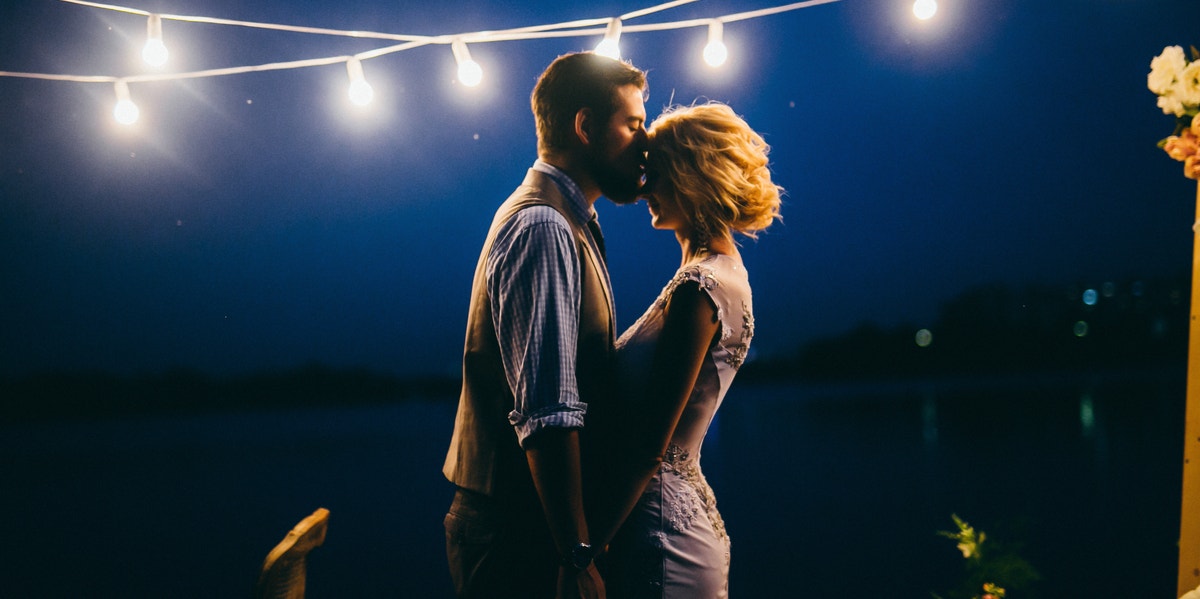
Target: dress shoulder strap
x=724, y=280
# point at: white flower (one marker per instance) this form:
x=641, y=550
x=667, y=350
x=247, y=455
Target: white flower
x=1165, y=69
x=1170, y=105
x=1188, y=89
x=1194, y=594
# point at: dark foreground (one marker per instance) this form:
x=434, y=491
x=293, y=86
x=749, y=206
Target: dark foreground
x=827, y=492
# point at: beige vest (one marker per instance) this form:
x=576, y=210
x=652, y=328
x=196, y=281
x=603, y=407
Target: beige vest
x=484, y=455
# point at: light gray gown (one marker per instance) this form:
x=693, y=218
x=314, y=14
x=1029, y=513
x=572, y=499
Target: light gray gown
x=674, y=544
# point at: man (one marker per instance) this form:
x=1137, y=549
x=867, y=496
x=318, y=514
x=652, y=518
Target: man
x=539, y=343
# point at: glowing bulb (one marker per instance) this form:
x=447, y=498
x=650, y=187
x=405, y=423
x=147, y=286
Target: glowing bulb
x=360, y=91
x=925, y=9
x=610, y=45
x=155, y=51
x=469, y=71
x=126, y=112
x=715, y=52
x=609, y=48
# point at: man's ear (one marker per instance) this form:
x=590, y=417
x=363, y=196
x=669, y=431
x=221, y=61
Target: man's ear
x=584, y=125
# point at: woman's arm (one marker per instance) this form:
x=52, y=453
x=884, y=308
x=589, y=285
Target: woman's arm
x=690, y=326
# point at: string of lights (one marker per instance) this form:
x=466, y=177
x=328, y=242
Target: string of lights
x=155, y=51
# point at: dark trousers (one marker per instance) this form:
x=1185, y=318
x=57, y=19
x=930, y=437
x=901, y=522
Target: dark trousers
x=499, y=550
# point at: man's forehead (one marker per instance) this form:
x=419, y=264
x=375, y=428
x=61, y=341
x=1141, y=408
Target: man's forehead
x=632, y=105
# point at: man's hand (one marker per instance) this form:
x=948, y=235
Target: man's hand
x=580, y=584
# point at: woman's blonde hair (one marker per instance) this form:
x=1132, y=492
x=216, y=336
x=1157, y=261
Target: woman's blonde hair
x=717, y=167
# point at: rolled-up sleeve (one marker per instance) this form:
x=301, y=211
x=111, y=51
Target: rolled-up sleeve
x=533, y=287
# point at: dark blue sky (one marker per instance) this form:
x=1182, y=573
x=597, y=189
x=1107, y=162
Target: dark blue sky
x=258, y=221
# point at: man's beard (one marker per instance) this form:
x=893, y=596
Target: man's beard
x=618, y=186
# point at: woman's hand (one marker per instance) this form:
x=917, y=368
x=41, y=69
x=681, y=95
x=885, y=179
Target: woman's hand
x=580, y=584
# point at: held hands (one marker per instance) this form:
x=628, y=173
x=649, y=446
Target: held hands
x=580, y=584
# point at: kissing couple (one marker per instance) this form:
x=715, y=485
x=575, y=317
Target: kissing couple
x=575, y=450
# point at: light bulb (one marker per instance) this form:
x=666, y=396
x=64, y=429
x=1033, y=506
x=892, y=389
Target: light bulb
x=610, y=45
x=469, y=71
x=925, y=9
x=715, y=52
x=360, y=91
x=126, y=112
x=155, y=51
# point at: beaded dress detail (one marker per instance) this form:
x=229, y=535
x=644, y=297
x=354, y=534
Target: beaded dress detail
x=674, y=544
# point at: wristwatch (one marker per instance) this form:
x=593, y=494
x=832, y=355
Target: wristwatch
x=578, y=556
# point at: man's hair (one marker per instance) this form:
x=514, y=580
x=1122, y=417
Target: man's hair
x=573, y=82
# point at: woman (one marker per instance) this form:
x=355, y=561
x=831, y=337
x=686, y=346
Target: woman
x=707, y=178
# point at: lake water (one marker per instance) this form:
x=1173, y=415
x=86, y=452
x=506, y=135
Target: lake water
x=827, y=492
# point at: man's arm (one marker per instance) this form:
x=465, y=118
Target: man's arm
x=533, y=284
x=554, y=462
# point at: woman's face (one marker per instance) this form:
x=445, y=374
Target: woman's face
x=665, y=211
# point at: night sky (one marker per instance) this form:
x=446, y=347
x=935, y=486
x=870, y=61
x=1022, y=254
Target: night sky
x=261, y=221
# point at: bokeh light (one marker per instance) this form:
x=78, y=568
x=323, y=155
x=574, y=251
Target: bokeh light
x=924, y=337
x=925, y=9
x=1081, y=328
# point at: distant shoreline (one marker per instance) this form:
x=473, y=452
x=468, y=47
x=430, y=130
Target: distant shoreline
x=988, y=335
x=91, y=395
x=95, y=396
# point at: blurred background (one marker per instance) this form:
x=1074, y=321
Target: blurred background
x=249, y=303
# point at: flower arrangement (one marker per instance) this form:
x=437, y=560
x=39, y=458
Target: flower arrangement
x=987, y=568
x=1176, y=81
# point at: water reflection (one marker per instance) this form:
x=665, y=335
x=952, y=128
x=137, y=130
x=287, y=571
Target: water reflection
x=1082, y=473
x=839, y=487
x=1087, y=415
x=1092, y=429
x=929, y=429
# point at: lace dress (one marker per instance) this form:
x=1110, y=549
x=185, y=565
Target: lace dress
x=674, y=543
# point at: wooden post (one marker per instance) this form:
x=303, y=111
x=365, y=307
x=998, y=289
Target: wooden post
x=1189, y=524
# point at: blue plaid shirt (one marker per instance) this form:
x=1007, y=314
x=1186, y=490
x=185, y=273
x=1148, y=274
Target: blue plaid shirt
x=533, y=285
